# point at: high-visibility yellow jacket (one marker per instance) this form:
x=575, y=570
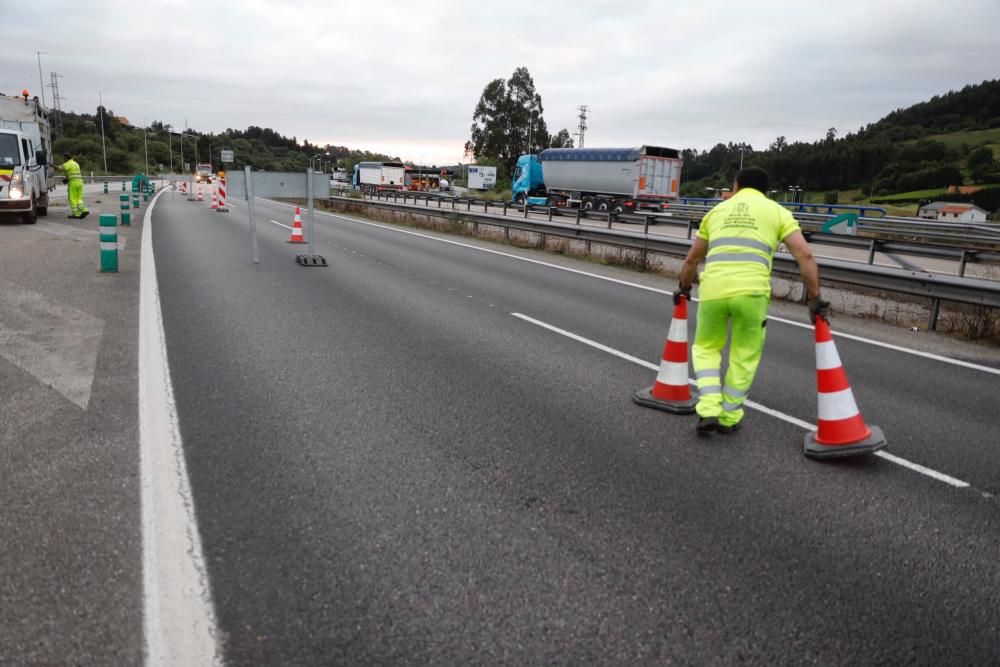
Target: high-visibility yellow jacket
x=72, y=170
x=742, y=233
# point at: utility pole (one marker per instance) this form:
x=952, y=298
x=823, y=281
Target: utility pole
x=170, y=147
x=100, y=110
x=145, y=146
x=41, y=84
x=582, y=127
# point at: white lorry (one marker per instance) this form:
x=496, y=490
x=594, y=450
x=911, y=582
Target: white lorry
x=27, y=173
x=378, y=176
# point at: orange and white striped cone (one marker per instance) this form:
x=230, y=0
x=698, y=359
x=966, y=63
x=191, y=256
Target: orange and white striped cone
x=297, y=228
x=201, y=196
x=840, y=430
x=215, y=203
x=222, y=208
x=671, y=391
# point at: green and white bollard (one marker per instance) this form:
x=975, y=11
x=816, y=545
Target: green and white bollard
x=109, y=243
x=126, y=215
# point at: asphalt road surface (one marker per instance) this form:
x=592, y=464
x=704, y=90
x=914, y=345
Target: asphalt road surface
x=417, y=455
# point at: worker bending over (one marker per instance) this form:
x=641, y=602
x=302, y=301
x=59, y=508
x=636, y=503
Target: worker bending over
x=74, y=187
x=737, y=239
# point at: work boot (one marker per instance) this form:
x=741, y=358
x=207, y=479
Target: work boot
x=726, y=430
x=707, y=425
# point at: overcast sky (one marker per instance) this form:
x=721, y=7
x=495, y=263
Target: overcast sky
x=404, y=77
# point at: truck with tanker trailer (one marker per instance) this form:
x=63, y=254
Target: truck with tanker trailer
x=27, y=173
x=620, y=180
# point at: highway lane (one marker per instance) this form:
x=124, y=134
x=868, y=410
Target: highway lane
x=387, y=466
x=899, y=392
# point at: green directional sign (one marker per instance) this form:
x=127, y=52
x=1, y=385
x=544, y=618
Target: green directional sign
x=845, y=223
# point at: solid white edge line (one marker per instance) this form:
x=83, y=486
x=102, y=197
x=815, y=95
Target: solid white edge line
x=281, y=225
x=179, y=624
x=782, y=320
x=934, y=474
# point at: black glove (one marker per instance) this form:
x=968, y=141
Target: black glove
x=819, y=308
x=681, y=290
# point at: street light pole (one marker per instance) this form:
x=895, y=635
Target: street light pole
x=41, y=84
x=100, y=98
x=145, y=146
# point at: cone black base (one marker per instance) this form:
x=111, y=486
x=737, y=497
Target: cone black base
x=869, y=445
x=644, y=397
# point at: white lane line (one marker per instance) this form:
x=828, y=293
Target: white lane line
x=179, y=624
x=281, y=225
x=940, y=476
x=860, y=339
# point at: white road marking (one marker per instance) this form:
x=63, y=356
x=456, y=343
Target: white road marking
x=53, y=341
x=179, y=625
x=934, y=474
x=281, y=225
x=860, y=339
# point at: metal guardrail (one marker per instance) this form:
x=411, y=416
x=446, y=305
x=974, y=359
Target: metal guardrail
x=935, y=287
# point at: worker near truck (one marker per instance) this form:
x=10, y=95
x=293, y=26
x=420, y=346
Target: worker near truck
x=74, y=186
x=737, y=239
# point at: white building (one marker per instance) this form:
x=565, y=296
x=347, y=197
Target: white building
x=952, y=212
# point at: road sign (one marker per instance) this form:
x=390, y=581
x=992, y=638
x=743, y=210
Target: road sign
x=227, y=156
x=845, y=223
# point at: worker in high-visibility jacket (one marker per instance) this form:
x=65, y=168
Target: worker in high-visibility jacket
x=74, y=186
x=737, y=239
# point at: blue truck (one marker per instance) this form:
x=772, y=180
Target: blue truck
x=620, y=180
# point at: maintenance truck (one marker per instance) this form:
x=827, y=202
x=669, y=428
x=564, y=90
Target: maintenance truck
x=27, y=174
x=620, y=180
x=377, y=176
x=203, y=173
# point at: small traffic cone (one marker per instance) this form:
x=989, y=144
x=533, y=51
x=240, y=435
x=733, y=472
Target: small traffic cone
x=297, y=228
x=840, y=430
x=215, y=202
x=201, y=197
x=671, y=391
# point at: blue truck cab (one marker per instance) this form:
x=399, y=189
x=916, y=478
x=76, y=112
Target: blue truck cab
x=528, y=182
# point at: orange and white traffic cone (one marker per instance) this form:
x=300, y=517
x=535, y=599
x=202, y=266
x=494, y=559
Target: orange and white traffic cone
x=201, y=196
x=297, y=228
x=671, y=391
x=840, y=430
x=215, y=203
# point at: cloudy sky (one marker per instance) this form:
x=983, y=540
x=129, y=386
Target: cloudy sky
x=404, y=77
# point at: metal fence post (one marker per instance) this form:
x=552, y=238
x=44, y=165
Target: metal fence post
x=871, y=251
x=610, y=216
x=468, y=204
x=935, y=312
x=645, y=227
x=962, y=262
x=578, y=211
x=505, y=209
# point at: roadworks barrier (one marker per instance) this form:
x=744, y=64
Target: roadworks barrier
x=109, y=243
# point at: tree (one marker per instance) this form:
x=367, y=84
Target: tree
x=561, y=139
x=779, y=144
x=508, y=121
x=980, y=163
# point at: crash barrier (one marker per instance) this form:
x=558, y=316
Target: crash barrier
x=126, y=214
x=937, y=288
x=671, y=391
x=840, y=429
x=109, y=243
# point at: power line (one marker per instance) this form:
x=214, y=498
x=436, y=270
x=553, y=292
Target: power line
x=582, y=127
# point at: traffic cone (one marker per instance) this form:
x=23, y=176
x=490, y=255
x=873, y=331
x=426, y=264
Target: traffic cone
x=215, y=202
x=840, y=430
x=671, y=391
x=201, y=197
x=297, y=228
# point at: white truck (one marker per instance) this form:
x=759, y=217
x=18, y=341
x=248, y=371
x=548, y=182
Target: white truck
x=377, y=176
x=27, y=172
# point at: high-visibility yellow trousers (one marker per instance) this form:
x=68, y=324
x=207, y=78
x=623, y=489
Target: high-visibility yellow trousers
x=748, y=317
x=75, y=193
